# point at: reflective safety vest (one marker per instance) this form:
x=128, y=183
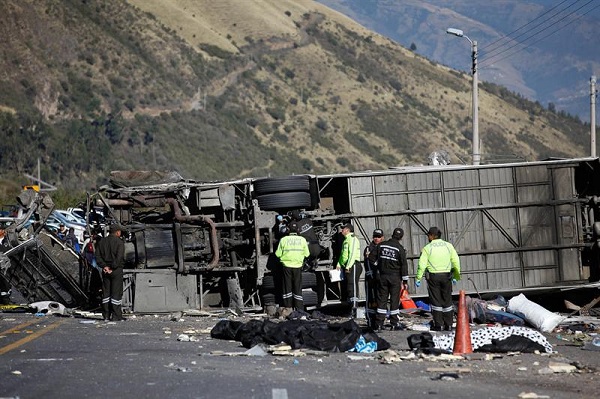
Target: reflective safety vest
x=439, y=256
x=350, y=252
x=292, y=250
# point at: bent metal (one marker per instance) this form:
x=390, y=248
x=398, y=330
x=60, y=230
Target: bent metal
x=194, y=245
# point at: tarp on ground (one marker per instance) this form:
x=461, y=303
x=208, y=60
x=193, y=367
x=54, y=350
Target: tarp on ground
x=299, y=334
x=499, y=339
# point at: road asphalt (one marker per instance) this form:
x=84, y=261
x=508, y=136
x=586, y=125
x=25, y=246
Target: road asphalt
x=174, y=356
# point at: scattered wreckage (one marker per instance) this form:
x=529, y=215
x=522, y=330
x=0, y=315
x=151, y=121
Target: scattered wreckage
x=518, y=227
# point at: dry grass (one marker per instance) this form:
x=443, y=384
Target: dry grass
x=310, y=82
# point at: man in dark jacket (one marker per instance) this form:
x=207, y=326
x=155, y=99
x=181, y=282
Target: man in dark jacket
x=393, y=272
x=305, y=229
x=370, y=256
x=110, y=256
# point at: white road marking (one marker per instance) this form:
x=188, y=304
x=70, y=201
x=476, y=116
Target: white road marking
x=280, y=393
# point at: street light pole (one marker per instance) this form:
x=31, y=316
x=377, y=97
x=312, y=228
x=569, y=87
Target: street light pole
x=593, y=116
x=475, y=98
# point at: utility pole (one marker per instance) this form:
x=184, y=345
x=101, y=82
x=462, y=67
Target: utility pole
x=41, y=185
x=476, y=151
x=475, y=98
x=593, y=116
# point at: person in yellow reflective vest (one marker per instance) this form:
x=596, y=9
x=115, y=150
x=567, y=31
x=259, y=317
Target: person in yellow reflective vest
x=440, y=264
x=291, y=251
x=349, y=262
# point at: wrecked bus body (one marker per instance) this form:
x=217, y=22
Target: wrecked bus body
x=517, y=227
x=35, y=262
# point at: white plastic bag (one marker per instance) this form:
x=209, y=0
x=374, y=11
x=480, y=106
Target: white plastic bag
x=536, y=315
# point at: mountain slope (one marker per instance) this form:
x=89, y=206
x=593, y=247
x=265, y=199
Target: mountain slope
x=550, y=59
x=233, y=89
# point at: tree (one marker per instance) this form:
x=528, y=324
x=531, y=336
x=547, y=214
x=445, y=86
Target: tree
x=413, y=47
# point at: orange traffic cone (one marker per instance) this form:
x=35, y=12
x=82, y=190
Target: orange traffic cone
x=462, y=335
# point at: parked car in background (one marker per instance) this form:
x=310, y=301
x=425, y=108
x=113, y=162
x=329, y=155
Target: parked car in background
x=72, y=217
x=79, y=212
x=94, y=218
x=6, y=221
x=56, y=219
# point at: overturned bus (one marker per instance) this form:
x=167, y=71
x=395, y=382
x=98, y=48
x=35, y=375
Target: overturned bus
x=194, y=245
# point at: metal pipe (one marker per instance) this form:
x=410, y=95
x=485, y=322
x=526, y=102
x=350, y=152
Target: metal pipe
x=199, y=218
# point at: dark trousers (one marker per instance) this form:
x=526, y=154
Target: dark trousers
x=292, y=288
x=439, y=287
x=315, y=250
x=389, y=288
x=112, y=295
x=352, y=278
x=371, y=289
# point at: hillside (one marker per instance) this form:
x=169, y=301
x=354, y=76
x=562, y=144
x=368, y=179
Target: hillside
x=544, y=50
x=234, y=89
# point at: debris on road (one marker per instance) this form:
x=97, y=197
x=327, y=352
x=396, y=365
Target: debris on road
x=532, y=395
x=50, y=307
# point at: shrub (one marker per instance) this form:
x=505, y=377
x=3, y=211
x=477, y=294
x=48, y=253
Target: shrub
x=321, y=124
x=289, y=73
x=342, y=161
x=276, y=113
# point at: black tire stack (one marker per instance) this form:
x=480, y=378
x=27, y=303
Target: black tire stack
x=309, y=284
x=281, y=193
x=268, y=296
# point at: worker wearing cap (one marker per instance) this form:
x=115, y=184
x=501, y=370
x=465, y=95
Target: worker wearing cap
x=291, y=251
x=393, y=269
x=110, y=256
x=62, y=232
x=349, y=262
x=440, y=264
x=372, y=277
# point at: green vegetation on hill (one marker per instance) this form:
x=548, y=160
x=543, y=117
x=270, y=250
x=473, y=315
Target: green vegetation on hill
x=98, y=85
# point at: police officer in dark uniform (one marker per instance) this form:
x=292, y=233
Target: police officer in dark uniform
x=110, y=256
x=305, y=229
x=393, y=269
x=370, y=256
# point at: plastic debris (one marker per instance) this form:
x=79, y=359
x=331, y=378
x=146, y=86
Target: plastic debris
x=49, y=307
x=362, y=346
x=256, y=350
x=183, y=338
